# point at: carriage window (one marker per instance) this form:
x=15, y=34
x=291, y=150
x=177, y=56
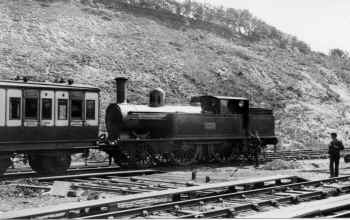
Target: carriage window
x=15, y=108
x=224, y=107
x=31, y=108
x=46, y=109
x=62, y=109
x=90, y=109
x=231, y=106
x=77, y=109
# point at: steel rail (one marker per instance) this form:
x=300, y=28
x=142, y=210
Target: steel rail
x=300, y=154
x=74, y=170
x=76, y=173
x=100, y=174
x=235, y=209
x=331, y=208
x=112, y=203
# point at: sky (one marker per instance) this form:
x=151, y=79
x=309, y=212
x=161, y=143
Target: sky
x=323, y=24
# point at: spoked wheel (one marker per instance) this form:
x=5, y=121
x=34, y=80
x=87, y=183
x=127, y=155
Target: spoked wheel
x=140, y=158
x=121, y=159
x=235, y=157
x=222, y=154
x=164, y=159
x=53, y=163
x=144, y=158
x=5, y=162
x=185, y=155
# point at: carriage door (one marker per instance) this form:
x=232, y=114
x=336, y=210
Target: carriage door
x=61, y=108
x=31, y=108
x=47, y=106
x=91, y=109
x=2, y=107
x=14, y=108
x=77, y=112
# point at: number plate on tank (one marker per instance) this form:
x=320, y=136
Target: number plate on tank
x=209, y=125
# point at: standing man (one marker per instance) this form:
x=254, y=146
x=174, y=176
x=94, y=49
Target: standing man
x=256, y=146
x=334, y=155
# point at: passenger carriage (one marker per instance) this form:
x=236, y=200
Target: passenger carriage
x=47, y=122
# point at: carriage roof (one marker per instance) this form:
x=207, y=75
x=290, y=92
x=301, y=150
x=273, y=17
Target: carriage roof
x=47, y=85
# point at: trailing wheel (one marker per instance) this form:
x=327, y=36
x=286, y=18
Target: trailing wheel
x=5, y=162
x=50, y=163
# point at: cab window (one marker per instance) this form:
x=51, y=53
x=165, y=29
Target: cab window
x=62, y=109
x=31, y=108
x=77, y=109
x=46, y=109
x=90, y=109
x=15, y=108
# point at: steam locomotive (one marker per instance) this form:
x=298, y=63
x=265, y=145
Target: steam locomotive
x=50, y=121
x=209, y=128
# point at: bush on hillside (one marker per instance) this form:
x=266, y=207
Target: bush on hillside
x=338, y=53
x=240, y=22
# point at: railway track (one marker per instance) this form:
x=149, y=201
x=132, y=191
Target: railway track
x=174, y=203
x=28, y=173
x=239, y=204
x=113, y=182
x=217, y=200
x=335, y=207
x=300, y=154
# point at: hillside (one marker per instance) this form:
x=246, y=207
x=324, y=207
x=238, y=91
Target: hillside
x=93, y=43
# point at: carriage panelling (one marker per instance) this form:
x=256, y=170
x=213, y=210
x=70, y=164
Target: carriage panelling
x=47, y=113
x=14, y=108
x=23, y=138
x=31, y=107
x=91, y=109
x=37, y=118
x=2, y=107
x=62, y=108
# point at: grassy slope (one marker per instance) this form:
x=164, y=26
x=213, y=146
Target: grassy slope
x=93, y=45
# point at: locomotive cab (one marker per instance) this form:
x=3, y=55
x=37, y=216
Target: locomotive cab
x=222, y=104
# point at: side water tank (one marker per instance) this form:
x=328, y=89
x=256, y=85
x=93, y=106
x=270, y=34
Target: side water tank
x=157, y=98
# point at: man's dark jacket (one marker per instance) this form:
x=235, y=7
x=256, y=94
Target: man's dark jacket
x=335, y=147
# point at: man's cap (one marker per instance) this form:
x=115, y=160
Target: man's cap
x=333, y=134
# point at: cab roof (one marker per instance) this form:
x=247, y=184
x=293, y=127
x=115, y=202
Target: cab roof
x=203, y=97
x=46, y=85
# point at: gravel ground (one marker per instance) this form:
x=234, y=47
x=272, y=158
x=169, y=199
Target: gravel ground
x=309, y=169
x=13, y=198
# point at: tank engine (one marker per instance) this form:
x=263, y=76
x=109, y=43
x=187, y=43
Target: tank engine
x=209, y=128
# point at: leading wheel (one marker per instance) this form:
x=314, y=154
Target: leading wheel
x=53, y=163
x=139, y=158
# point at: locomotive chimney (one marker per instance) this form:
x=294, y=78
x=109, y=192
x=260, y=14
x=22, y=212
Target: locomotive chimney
x=121, y=84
